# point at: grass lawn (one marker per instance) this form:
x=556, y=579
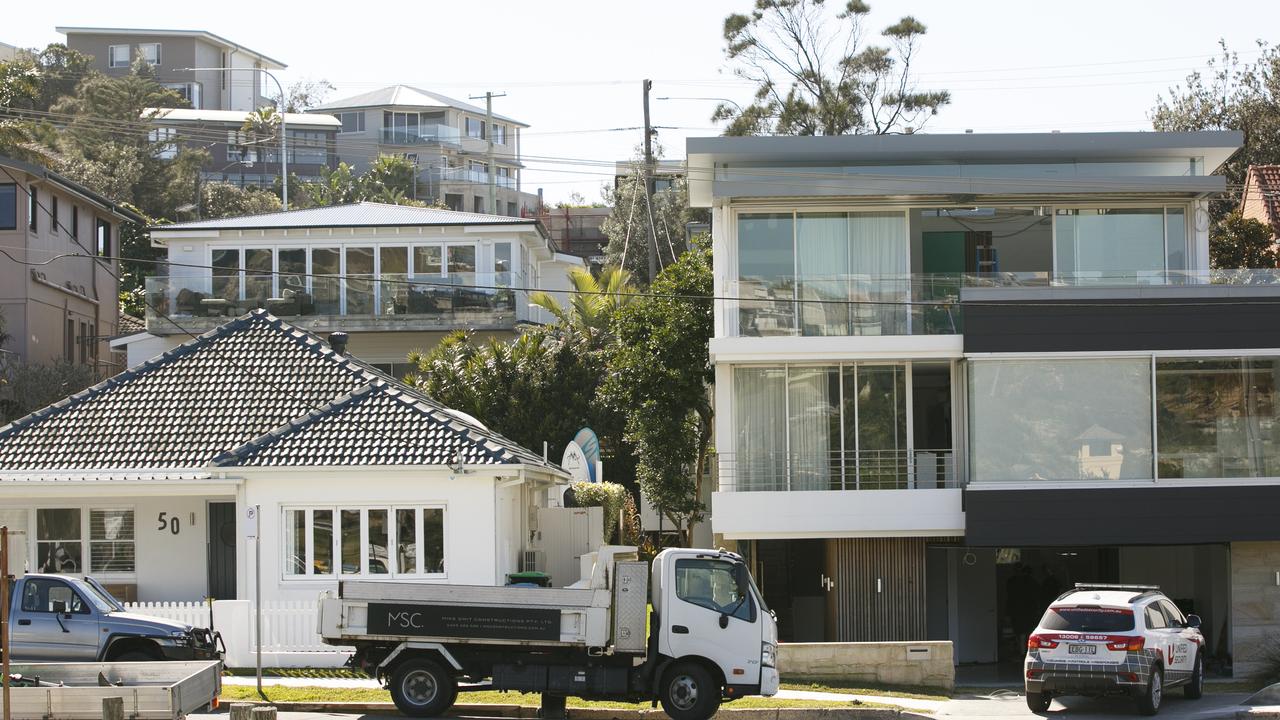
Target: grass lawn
x=492, y=697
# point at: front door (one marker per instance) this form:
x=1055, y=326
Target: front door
x=54, y=624
x=222, y=550
x=713, y=614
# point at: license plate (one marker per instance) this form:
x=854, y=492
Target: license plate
x=1082, y=649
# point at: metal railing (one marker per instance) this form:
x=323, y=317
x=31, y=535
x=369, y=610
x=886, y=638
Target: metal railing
x=861, y=470
x=456, y=298
x=421, y=135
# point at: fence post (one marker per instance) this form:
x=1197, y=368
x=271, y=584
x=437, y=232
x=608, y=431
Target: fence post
x=113, y=708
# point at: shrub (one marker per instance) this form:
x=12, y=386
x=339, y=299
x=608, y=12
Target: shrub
x=610, y=496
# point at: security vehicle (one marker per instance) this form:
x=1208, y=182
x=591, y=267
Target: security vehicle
x=1114, y=639
x=58, y=618
x=709, y=638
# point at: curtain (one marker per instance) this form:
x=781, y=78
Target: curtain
x=878, y=268
x=760, y=416
x=822, y=267
x=813, y=402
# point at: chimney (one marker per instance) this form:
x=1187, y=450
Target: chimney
x=338, y=341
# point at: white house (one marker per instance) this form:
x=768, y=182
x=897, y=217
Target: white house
x=144, y=480
x=397, y=278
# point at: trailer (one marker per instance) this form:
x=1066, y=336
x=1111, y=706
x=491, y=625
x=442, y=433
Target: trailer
x=150, y=690
x=709, y=638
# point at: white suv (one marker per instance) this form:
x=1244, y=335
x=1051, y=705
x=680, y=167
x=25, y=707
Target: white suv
x=1114, y=639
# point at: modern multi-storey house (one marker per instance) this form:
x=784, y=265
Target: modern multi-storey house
x=957, y=373
x=57, y=310
x=449, y=140
x=177, y=56
x=396, y=278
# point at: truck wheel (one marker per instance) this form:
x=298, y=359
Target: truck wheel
x=689, y=693
x=1149, y=701
x=136, y=656
x=1195, y=687
x=421, y=688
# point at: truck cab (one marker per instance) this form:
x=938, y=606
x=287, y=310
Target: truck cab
x=58, y=618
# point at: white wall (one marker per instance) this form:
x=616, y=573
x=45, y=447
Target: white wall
x=148, y=346
x=838, y=513
x=472, y=535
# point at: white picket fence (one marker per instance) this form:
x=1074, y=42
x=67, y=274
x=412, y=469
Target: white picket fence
x=288, y=629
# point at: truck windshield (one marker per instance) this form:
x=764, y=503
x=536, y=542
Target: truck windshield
x=100, y=598
x=716, y=585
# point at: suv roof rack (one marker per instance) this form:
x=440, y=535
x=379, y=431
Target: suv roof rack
x=1116, y=586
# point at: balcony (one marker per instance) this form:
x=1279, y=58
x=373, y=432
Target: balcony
x=323, y=304
x=467, y=175
x=421, y=135
x=857, y=470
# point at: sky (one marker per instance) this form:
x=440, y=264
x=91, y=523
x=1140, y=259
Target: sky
x=572, y=69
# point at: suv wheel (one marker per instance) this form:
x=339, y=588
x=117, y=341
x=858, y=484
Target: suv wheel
x=1038, y=702
x=1195, y=687
x=1149, y=702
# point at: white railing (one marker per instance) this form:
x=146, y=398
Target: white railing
x=290, y=626
x=196, y=614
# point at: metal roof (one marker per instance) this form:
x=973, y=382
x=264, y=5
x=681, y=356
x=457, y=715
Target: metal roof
x=362, y=214
x=270, y=63
x=406, y=96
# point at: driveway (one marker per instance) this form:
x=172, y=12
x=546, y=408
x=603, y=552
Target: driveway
x=1006, y=704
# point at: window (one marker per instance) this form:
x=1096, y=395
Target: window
x=359, y=280
x=326, y=286
x=163, y=142
x=150, y=53
x=351, y=121
x=84, y=343
x=33, y=209
x=8, y=207
x=306, y=147
x=393, y=267
x=1095, y=619
x=291, y=264
x=111, y=541
x=502, y=262
x=258, y=264
x=53, y=214
x=189, y=91
x=499, y=134
x=49, y=596
x=102, y=237
x=474, y=128
x=512, y=210
x=238, y=148
x=477, y=203
x=715, y=585
x=462, y=259
x=1155, y=619
x=226, y=273
x=428, y=261
x=118, y=56
x=374, y=541
x=1106, y=244
x=58, y=541
x=1040, y=420
x=1172, y=615
x=75, y=222
x=93, y=345
x=69, y=342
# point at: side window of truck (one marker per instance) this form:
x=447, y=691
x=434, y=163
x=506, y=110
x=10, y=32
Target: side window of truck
x=715, y=585
x=40, y=595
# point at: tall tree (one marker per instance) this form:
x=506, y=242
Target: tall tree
x=814, y=76
x=1238, y=242
x=633, y=213
x=1230, y=95
x=595, y=303
x=306, y=94
x=659, y=379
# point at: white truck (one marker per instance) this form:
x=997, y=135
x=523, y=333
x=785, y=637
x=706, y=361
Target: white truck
x=710, y=636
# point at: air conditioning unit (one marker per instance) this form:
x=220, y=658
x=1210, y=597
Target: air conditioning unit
x=532, y=561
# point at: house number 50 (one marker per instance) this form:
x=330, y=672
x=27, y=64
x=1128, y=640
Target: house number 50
x=172, y=524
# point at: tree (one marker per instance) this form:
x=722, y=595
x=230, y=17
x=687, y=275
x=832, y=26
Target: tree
x=388, y=178
x=659, y=379
x=594, y=304
x=813, y=76
x=35, y=386
x=1239, y=242
x=304, y=95
x=628, y=224
x=221, y=199
x=1230, y=95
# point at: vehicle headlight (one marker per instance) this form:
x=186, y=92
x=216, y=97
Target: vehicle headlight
x=768, y=654
x=180, y=636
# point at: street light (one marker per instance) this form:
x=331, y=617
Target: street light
x=731, y=102
x=284, y=155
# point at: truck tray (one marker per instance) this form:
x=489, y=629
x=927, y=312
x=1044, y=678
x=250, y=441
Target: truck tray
x=151, y=690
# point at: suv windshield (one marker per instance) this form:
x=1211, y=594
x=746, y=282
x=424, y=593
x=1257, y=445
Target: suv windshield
x=1087, y=619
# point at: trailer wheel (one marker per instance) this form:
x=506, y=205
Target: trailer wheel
x=421, y=688
x=689, y=692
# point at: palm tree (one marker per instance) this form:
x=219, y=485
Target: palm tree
x=594, y=301
x=262, y=126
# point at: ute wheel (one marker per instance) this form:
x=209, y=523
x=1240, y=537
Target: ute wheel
x=1149, y=701
x=421, y=688
x=1195, y=687
x=136, y=656
x=689, y=693
x=1038, y=702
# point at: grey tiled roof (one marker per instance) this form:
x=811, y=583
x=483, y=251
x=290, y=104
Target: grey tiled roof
x=361, y=214
x=253, y=384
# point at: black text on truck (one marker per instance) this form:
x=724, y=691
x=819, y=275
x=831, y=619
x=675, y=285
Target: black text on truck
x=710, y=638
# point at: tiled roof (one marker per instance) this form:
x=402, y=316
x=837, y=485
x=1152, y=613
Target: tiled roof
x=406, y=96
x=129, y=325
x=363, y=214
x=1264, y=181
x=255, y=383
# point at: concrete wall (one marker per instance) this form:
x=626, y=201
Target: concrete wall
x=915, y=664
x=1255, y=604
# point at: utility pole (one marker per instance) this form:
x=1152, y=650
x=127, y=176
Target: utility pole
x=648, y=182
x=488, y=133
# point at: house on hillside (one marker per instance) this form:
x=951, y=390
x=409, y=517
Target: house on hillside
x=144, y=481
x=447, y=139
x=1261, y=198
x=942, y=359
x=395, y=277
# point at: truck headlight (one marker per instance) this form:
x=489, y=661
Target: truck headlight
x=181, y=637
x=768, y=654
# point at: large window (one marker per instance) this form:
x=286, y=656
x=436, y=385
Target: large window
x=60, y=536
x=351, y=121
x=1037, y=420
x=359, y=280
x=118, y=56
x=111, y=541
x=8, y=207
x=1218, y=417
x=373, y=541
x=475, y=128
x=58, y=540
x=1109, y=245
x=150, y=53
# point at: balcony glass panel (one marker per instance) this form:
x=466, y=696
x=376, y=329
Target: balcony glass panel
x=1218, y=417
x=1048, y=420
x=880, y=396
x=426, y=134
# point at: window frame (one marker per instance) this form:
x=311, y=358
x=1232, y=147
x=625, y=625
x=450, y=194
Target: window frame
x=10, y=222
x=392, y=511
x=86, y=511
x=143, y=53
x=111, y=56
x=359, y=123
x=90, y=541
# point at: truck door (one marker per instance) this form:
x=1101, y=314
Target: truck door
x=53, y=623
x=709, y=610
